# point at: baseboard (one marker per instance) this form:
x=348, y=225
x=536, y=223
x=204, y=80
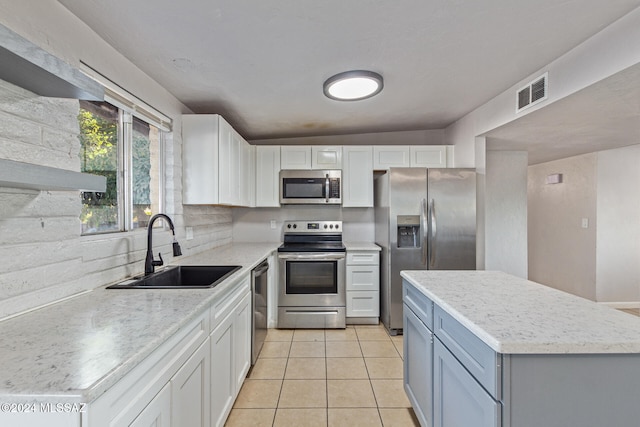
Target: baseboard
x=624, y=305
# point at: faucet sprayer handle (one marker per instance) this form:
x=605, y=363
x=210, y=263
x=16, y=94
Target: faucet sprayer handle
x=177, y=251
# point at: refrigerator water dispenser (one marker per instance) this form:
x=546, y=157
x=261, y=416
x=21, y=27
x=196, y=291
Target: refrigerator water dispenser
x=408, y=231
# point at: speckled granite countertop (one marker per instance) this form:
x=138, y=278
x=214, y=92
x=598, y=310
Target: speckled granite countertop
x=78, y=348
x=514, y=315
x=361, y=246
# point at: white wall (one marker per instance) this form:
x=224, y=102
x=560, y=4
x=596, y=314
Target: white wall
x=618, y=227
x=505, y=214
x=562, y=254
x=44, y=258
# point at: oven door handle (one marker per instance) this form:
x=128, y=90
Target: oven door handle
x=312, y=256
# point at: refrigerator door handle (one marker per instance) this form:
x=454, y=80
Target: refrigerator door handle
x=425, y=231
x=432, y=233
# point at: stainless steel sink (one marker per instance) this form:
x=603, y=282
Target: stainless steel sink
x=181, y=277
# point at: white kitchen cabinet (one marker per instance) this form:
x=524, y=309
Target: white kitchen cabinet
x=404, y=156
x=295, y=157
x=387, y=156
x=326, y=157
x=428, y=156
x=363, y=287
x=357, y=176
x=140, y=395
x=228, y=165
x=267, y=186
x=242, y=340
x=158, y=412
x=222, y=373
x=248, y=175
x=191, y=389
x=230, y=349
x=214, y=169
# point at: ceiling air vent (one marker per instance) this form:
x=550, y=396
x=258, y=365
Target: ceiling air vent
x=532, y=93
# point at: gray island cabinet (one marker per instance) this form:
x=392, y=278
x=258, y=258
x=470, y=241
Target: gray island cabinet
x=486, y=348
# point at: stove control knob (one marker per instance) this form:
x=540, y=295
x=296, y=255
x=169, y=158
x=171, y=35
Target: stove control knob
x=288, y=225
x=295, y=225
x=337, y=225
x=325, y=226
x=331, y=226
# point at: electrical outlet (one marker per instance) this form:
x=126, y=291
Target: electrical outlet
x=585, y=222
x=189, y=232
x=273, y=224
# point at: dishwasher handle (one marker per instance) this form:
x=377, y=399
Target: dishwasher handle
x=261, y=269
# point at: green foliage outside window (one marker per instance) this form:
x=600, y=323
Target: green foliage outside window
x=100, y=137
x=99, y=156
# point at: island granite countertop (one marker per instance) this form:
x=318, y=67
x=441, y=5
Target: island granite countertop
x=517, y=316
x=76, y=349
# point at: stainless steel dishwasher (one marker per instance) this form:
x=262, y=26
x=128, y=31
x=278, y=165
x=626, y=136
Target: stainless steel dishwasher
x=259, y=306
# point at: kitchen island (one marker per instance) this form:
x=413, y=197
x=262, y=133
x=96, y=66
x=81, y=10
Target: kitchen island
x=110, y=357
x=486, y=348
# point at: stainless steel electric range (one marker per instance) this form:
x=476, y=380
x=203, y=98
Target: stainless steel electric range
x=312, y=275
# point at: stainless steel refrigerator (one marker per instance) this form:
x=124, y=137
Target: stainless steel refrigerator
x=425, y=220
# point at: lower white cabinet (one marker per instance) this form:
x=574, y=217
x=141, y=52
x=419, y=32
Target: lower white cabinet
x=222, y=374
x=137, y=397
x=158, y=412
x=191, y=389
x=230, y=352
x=192, y=379
x=363, y=286
x=242, y=341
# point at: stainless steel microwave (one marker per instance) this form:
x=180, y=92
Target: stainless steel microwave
x=305, y=187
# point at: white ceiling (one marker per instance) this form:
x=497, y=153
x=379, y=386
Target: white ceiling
x=261, y=63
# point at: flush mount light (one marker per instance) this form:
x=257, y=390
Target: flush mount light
x=353, y=85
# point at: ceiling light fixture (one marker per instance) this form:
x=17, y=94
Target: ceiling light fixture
x=353, y=85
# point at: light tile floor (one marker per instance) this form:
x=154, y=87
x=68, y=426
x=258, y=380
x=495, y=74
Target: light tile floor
x=330, y=378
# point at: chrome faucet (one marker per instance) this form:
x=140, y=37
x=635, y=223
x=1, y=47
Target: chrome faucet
x=151, y=263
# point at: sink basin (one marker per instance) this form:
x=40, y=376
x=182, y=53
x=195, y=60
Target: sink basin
x=181, y=277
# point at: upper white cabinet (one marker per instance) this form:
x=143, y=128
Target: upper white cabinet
x=295, y=157
x=387, y=156
x=248, y=175
x=326, y=157
x=357, y=176
x=310, y=157
x=428, y=156
x=404, y=156
x=267, y=175
x=216, y=162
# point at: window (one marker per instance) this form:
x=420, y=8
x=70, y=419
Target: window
x=127, y=150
